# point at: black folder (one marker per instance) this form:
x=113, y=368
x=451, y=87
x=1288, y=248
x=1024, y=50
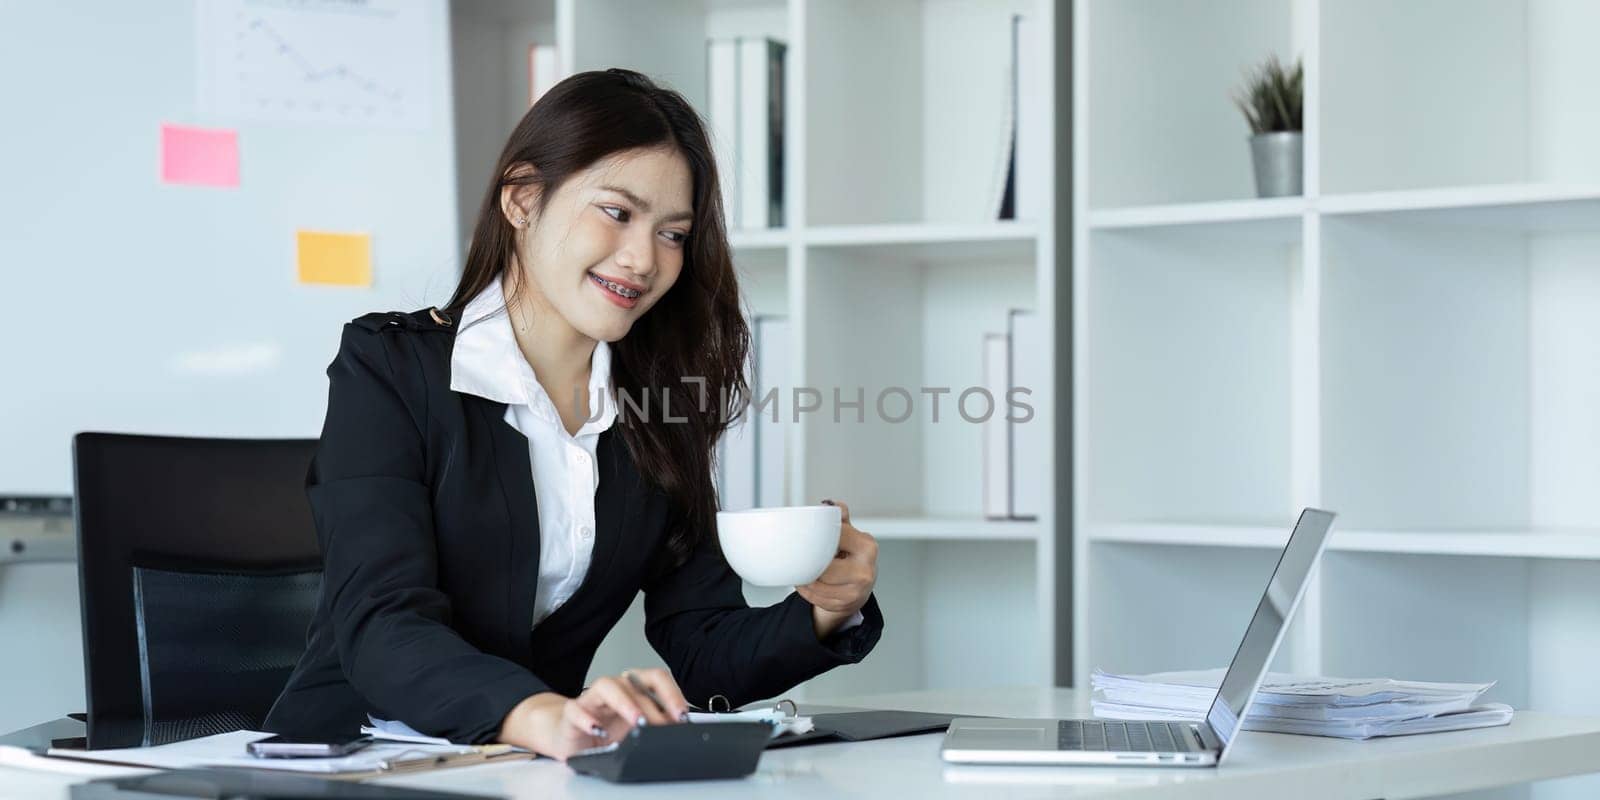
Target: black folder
x=861, y=726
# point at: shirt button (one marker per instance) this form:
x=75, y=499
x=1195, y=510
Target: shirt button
x=586, y=531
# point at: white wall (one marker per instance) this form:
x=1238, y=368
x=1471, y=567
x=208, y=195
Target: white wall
x=111, y=278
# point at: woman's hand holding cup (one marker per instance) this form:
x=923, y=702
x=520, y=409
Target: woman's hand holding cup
x=843, y=588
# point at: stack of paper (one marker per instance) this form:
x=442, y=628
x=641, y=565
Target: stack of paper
x=1340, y=707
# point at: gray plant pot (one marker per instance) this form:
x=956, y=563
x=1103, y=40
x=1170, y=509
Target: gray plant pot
x=1279, y=163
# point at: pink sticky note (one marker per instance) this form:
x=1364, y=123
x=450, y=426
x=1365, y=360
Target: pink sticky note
x=200, y=156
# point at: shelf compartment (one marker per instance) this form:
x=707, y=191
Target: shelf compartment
x=1163, y=608
x=941, y=625
x=878, y=322
x=1416, y=95
x=1189, y=373
x=898, y=129
x=1468, y=620
x=1162, y=129
x=1458, y=374
x=665, y=40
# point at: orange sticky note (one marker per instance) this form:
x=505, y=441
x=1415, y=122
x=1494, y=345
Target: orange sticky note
x=199, y=156
x=337, y=259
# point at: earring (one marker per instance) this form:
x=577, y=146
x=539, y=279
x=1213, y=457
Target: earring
x=520, y=221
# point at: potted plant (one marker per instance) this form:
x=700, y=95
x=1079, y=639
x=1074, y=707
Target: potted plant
x=1271, y=100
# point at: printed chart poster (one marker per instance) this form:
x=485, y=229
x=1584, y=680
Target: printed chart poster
x=360, y=63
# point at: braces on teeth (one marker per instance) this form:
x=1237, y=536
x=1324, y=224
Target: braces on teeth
x=619, y=289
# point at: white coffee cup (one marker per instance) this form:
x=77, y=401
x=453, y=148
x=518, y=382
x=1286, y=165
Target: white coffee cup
x=785, y=546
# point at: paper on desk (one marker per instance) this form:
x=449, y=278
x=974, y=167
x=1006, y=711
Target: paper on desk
x=1394, y=710
x=1485, y=716
x=1195, y=689
x=228, y=750
x=1317, y=706
x=394, y=730
x=780, y=722
x=23, y=758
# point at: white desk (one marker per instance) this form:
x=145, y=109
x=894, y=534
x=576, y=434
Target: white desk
x=1535, y=746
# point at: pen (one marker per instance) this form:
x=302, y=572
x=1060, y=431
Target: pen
x=648, y=692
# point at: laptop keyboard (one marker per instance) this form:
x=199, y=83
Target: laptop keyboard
x=1128, y=737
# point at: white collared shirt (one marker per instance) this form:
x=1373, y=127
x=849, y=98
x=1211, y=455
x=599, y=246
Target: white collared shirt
x=487, y=362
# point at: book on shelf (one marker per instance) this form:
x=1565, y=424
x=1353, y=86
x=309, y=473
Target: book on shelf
x=752, y=454
x=746, y=104
x=1026, y=183
x=543, y=70
x=1032, y=180
x=772, y=367
x=1030, y=449
x=1014, y=446
x=736, y=455
x=722, y=97
x=996, y=433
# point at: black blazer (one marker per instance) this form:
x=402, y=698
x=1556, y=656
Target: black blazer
x=425, y=510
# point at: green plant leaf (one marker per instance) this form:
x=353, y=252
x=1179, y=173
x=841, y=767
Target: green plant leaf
x=1273, y=98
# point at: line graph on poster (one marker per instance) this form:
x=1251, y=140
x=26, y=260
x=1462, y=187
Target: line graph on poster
x=335, y=62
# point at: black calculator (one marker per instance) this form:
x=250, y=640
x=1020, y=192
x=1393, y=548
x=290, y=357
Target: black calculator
x=685, y=751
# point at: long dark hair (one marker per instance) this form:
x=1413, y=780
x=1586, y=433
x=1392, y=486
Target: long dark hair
x=695, y=330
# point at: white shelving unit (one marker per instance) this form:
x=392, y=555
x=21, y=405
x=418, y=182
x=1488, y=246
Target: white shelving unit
x=1413, y=343
x=888, y=279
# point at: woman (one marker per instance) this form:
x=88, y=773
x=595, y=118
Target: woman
x=487, y=509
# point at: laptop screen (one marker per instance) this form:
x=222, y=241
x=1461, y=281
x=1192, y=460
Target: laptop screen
x=1266, y=627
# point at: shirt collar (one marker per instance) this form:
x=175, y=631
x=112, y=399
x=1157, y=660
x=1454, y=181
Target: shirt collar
x=486, y=362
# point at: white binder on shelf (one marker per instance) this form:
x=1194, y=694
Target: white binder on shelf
x=722, y=67
x=996, y=433
x=745, y=98
x=1033, y=184
x=1000, y=203
x=736, y=456
x=1030, y=339
x=760, y=113
x=772, y=371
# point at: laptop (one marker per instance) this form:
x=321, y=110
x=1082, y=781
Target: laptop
x=1165, y=744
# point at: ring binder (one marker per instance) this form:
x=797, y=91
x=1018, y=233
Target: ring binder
x=788, y=708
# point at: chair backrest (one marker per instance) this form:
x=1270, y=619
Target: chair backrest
x=199, y=570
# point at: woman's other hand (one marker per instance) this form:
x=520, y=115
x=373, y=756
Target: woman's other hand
x=842, y=589
x=553, y=725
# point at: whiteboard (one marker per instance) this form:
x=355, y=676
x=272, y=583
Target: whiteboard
x=136, y=306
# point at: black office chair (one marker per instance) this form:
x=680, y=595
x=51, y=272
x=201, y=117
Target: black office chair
x=199, y=570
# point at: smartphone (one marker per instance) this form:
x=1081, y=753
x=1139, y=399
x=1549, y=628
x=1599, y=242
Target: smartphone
x=302, y=747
